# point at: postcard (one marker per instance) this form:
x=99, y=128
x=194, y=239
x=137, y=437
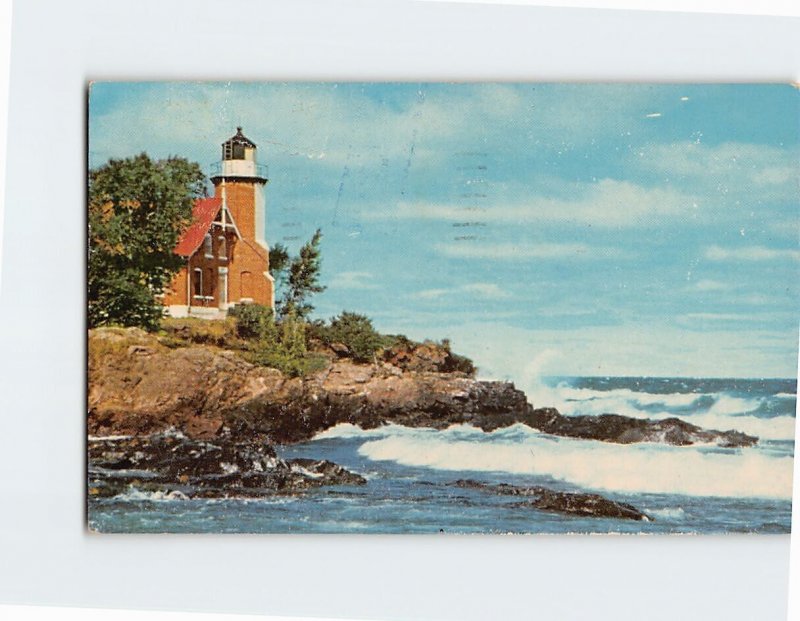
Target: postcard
x=441, y=307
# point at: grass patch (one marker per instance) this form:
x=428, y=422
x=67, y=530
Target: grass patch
x=291, y=365
x=177, y=332
x=298, y=347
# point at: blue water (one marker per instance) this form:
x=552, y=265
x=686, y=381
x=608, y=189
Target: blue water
x=699, y=489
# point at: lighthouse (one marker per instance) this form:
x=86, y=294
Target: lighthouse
x=240, y=181
x=225, y=247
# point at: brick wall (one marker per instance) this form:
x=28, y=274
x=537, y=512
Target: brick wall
x=247, y=261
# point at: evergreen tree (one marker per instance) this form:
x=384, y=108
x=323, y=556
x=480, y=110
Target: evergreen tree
x=278, y=258
x=278, y=263
x=302, y=280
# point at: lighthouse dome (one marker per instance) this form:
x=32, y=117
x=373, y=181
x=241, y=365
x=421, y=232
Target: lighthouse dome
x=238, y=147
x=239, y=161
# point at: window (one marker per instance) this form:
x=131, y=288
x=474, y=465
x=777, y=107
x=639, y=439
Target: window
x=209, y=283
x=197, y=282
x=208, y=248
x=222, y=247
x=238, y=151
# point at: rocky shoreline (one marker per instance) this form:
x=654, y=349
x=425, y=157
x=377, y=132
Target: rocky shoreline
x=139, y=386
x=568, y=503
x=173, y=465
x=200, y=421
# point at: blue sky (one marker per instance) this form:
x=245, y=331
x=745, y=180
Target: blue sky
x=556, y=229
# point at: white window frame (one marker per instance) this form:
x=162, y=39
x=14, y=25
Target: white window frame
x=208, y=246
x=195, y=273
x=223, y=287
x=222, y=247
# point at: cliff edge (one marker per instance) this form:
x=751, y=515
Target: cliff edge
x=140, y=385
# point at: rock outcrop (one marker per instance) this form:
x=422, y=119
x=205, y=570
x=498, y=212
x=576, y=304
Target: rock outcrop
x=139, y=386
x=174, y=465
x=627, y=430
x=569, y=503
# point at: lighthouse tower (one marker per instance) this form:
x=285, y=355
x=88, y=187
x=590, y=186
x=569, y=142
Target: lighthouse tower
x=227, y=257
x=239, y=180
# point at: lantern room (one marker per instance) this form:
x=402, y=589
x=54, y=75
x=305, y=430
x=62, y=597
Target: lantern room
x=239, y=160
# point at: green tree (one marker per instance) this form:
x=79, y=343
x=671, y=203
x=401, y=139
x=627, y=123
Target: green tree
x=138, y=208
x=356, y=333
x=302, y=280
x=278, y=261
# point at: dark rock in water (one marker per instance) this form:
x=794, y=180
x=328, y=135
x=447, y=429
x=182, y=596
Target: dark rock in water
x=172, y=463
x=627, y=430
x=570, y=503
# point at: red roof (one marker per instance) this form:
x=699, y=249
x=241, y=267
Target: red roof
x=203, y=214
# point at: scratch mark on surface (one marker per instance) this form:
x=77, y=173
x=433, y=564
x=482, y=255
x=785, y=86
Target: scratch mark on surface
x=345, y=175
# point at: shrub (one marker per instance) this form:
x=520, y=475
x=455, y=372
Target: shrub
x=461, y=364
x=456, y=362
x=356, y=333
x=254, y=321
x=281, y=346
x=118, y=297
x=292, y=335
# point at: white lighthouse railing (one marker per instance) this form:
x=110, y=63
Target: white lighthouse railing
x=239, y=168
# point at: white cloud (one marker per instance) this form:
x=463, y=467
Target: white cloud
x=741, y=170
x=702, y=319
x=645, y=349
x=606, y=203
x=313, y=121
x=431, y=294
x=511, y=251
x=353, y=280
x=336, y=124
x=485, y=290
x=719, y=316
x=710, y=285
x=750, y=253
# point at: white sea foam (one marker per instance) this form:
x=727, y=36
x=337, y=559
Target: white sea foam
x=306, y=472
x=725, y=404
x=668, y=513
x=134, y=494
x=778, y=428
x=571, y=400
x=348, y=430
x=637, y=468
x=724, y=412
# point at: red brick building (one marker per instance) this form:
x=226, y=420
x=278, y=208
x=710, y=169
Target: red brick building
x=227, y=257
